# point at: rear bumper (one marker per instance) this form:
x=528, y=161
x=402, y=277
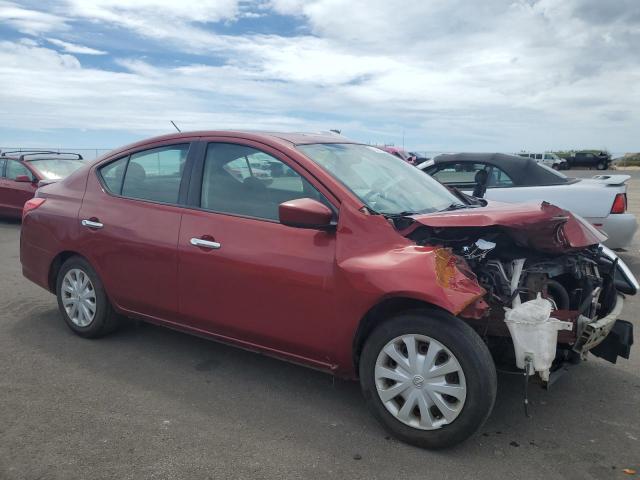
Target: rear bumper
x=620, y=228
x=35, y=263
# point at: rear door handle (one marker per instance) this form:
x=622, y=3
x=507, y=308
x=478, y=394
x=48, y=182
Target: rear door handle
x=91, y=224
x=199, y=242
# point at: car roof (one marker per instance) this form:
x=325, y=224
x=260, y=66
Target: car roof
x=534, y=152
x=523, y=171
x=28, y=155
x=285, y=139
x=392, y=149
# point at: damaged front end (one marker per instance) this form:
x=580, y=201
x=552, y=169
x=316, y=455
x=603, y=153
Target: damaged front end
x=552, y=291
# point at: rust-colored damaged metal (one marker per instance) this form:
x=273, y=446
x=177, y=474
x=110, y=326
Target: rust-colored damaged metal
x=543, y=227
x=476, y=310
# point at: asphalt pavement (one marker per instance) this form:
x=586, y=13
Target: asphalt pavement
x=148, y=402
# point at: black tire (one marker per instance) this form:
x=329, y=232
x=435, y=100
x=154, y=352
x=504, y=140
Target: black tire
x=105, y=319
x=601, y=166
x=472, y=355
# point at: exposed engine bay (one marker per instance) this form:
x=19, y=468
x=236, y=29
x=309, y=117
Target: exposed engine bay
x=520, y=269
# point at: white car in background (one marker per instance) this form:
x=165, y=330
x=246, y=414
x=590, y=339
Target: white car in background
x=549, y=159
x=601, y=200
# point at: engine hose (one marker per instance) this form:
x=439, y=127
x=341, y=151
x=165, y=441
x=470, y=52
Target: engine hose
x=588, y=300
x=559, y=294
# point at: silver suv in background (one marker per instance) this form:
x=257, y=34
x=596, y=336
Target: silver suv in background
x=549, y=159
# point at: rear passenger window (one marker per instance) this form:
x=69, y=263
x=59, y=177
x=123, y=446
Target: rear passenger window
x=148, y=175
x=15, y=169
x=458, y=173
x=244, y=181
x=113, y=174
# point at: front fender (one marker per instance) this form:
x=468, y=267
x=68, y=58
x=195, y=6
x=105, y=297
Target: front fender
x=374, y=263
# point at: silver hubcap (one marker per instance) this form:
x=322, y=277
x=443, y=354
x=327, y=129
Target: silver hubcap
x=78, y=297
x=420, y=382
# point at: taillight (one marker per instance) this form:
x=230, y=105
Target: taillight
x=31, y=205
x=620, y=203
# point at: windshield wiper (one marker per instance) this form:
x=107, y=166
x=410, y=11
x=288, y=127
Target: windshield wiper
x=455, y=206
x=397, y=215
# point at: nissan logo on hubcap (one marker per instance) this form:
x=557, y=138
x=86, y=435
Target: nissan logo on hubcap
x=418, y=381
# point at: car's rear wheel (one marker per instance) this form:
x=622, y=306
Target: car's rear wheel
x=428, y=378
x=82, y=300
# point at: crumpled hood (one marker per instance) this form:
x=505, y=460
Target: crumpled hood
x=540, y=226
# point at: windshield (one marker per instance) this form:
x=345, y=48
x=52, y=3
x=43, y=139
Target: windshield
x=56, y=168
x=383, y=182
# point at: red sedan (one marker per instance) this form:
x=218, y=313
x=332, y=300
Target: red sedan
x=351, y=263
x=400, y=153
x=20, y=173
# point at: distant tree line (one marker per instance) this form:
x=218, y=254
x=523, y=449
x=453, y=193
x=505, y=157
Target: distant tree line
x=629, y=159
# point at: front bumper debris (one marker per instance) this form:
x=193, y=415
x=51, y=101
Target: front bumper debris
x=593, y=332
x=617, y=344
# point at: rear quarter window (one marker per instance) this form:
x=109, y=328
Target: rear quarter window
x=153, y=174
x=112, y=175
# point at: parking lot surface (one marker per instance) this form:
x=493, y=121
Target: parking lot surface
x=148, y=402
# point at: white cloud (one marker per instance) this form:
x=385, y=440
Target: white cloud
x=75, y=48
x=30, y=21
x=122, y=10
x=454, y=74
x=158, y=19
x=66, y=95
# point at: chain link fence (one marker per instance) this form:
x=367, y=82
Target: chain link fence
x=621, y=159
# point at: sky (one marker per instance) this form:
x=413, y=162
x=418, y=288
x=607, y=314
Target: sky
x=432, y=75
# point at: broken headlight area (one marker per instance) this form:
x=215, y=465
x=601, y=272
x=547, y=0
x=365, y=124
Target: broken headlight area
x=582, y=287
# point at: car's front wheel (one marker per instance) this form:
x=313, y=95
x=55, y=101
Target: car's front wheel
x=82, y=300
x=601, y=166
x=428, y=378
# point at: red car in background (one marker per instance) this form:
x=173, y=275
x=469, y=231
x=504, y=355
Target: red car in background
x=21, y=171
x=350, y=263
x=400, y=153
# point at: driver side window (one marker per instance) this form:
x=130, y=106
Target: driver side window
x=241, y=180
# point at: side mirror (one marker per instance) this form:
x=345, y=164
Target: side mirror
x=305, y=213
x=23, y=179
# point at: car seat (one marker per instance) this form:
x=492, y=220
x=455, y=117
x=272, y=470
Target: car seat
x=481, y=183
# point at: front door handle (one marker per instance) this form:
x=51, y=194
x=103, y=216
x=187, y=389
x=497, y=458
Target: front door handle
x=91, y=224
x=199, y=242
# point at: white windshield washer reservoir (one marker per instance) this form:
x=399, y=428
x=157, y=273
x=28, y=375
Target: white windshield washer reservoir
x=535, y=334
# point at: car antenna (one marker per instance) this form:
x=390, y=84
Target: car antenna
x=172, y=123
